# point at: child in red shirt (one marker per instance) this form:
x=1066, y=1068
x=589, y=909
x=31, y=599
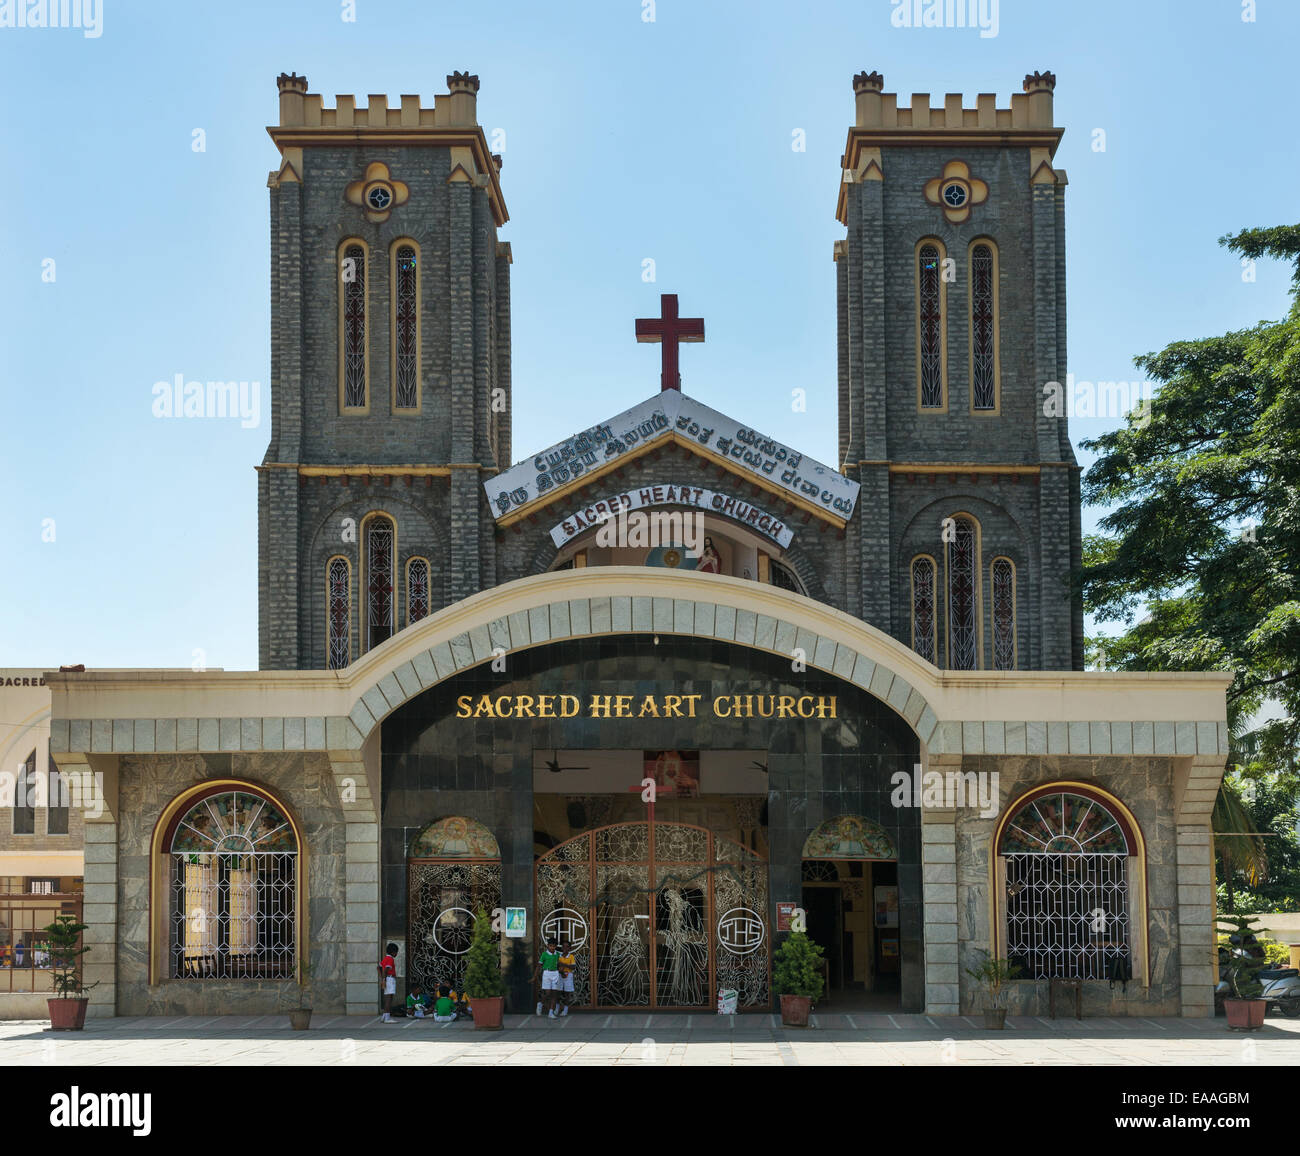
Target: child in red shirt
x=388, y=973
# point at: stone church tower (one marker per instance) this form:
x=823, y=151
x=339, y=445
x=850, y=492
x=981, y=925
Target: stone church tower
x=390, y=370
x=951, y=309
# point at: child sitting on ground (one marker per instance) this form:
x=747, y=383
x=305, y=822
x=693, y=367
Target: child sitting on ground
x=444, y=1011
x=417, y=1003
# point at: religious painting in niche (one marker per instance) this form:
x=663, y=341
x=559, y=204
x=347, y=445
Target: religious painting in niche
x=674, y=772
x=849, y=837
x=455, y=838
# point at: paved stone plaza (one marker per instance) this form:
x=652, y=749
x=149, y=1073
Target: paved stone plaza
x=669, y=1040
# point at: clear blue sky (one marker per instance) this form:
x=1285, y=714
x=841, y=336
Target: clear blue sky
x=624, y=140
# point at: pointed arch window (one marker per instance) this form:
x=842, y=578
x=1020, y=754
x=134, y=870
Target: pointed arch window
x=338, y=595
x=380, y=541
x=1002, y=582
x=25, y=798
x=924, y=634
x=931, y=324
x=354, y=356
x=406, y=326
x=57, y=802
x=983, y=327
x=417, y=590
x=962, y=558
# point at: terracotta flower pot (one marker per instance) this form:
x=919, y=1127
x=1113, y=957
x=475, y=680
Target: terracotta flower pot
x=67, y=1015
x=300, y=1018
x=794, y=1010
x=1244, y=1014
x=488, y=1011
x=995, y=1018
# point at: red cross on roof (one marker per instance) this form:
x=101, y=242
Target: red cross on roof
x=669, y=329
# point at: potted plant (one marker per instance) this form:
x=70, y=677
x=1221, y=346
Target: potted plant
x=797, y=975
x=68, y=1008
x=483, y=982
x=1240, y=967
x=300, y=1017
x=993, y=975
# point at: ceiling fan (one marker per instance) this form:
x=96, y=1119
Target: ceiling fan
x=553, y=765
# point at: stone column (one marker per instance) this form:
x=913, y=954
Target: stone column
x=356, y=775
x=99, y=899
x=939, y=894
x=1196, y=919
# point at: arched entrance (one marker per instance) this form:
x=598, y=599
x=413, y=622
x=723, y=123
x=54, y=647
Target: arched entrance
x=453, y=871
x=659, y=915
x=850, y=893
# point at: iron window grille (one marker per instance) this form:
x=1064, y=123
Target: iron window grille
x=931, y=328
x=379, y=581
x=1004, y=614
x=963, y=625
x=406, y=324
x=354, y=329
x=234, y=890
x=339, y=644
x=923, y=608
x=983, y=377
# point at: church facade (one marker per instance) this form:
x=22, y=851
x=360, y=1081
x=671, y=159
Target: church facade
x=671, y=687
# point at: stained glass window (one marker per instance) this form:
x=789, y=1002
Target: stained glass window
x=1004, y=614
x=25, y=798
x=963, y=612
x=379, y=581
x=56, y=818
x=783, y=576
x=234, y=888
x=354, y=327
x=417, y=590
x=931, y=327
x=1066, y=858
x=983, y=364
x=923, y=632
x=339, y=614
x=406, y=351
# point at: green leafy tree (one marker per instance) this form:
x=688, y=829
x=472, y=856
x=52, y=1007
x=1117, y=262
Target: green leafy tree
x=797, y=967
x=1203, y=542
x=483, y=961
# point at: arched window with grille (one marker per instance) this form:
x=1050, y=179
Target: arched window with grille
x=961, y=552
x=984, y=363
x=417, y=590
x=1067, y=858
x=338, y=613
x=1002, y=584
x=406, y=326
x=231, y=860
x=354, y=338
x=379, y=544
x=779, y=574
x=25, y=798
x=931, y=327
x=924, y=619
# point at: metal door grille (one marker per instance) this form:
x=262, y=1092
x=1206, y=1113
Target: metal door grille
x=658, y=915
x=443, y=898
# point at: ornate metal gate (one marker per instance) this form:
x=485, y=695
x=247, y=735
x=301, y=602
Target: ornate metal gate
x=454, y=869
x=659, y=915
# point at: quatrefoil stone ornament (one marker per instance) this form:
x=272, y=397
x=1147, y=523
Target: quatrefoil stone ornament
x=956, y=191
x=377, y=193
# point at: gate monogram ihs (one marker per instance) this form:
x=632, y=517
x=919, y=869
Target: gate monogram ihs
x=442, y=899
x=657, y=915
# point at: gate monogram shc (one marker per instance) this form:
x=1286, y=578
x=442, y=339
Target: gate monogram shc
x=659, y=915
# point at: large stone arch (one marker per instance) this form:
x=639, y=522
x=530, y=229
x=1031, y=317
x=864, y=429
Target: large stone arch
x=576, y=604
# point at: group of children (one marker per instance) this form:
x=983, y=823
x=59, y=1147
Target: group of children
x=447, y=1008
x=556, y=965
